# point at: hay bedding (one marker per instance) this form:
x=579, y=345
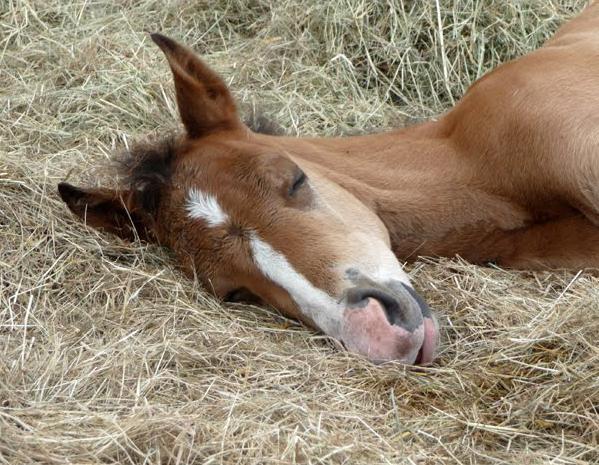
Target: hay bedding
x=108, y=355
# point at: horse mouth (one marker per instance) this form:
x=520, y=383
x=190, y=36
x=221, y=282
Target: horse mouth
x=427, y=351
x=411, y=336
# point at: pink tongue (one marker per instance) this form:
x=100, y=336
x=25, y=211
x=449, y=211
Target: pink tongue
x=427, y=352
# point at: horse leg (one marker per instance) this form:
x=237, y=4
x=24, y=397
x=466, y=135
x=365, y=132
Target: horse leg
x=571, y=242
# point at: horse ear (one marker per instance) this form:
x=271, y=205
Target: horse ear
x=109, y=210
x=204, y=101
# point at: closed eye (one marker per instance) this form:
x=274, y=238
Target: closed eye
x=299, y=180
x=242, y=296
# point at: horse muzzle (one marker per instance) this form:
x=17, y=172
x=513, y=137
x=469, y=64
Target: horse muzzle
x=391, y=324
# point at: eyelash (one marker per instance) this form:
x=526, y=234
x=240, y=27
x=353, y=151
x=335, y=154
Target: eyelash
x=241, y=295
x=298, y=182
x=233, y=296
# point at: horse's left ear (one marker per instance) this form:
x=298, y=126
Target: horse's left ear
x=205, y=103
x=117, y=212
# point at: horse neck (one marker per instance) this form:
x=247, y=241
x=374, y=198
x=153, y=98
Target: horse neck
x=395, y=173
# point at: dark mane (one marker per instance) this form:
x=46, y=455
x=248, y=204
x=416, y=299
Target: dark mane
x=147, y=167
x=261, y=124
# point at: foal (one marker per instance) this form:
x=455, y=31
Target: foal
x=315, y=227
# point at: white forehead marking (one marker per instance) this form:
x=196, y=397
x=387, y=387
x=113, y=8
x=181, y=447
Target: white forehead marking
x=203, y=206
x=314, y=303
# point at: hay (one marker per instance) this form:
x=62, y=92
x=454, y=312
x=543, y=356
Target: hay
x=108, y=355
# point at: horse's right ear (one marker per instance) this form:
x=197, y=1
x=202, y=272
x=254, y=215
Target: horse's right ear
x=205, y=103
x=117, y=212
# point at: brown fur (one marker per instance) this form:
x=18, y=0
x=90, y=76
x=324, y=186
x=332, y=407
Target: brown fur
x=509, y=175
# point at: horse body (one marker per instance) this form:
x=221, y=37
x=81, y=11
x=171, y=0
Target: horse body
x=315, y=226
x=510, y=175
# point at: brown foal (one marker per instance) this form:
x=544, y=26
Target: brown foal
x=315, y=226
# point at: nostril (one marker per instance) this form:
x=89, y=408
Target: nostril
x=390, y=305
x=358, y=297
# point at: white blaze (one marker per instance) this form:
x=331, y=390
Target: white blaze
x=324, y=310
x=203, y=206
x=314, y=303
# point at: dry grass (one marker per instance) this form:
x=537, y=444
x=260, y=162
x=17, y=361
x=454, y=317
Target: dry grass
x=108, y=355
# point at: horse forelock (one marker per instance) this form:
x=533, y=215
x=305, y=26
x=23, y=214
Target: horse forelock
x=147, y=167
